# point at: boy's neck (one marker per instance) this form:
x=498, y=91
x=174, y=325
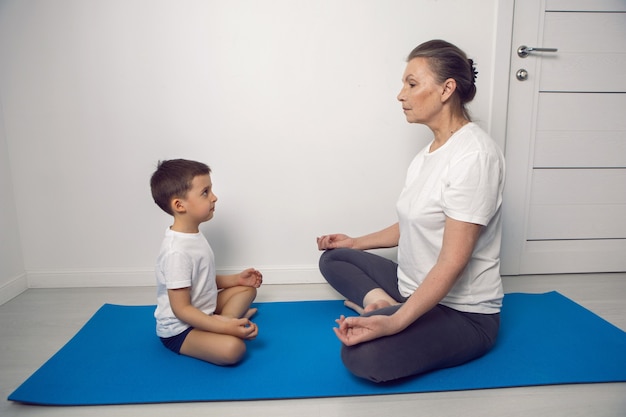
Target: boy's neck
x=184, y=227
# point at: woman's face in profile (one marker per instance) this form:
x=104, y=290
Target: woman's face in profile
x=421, y=96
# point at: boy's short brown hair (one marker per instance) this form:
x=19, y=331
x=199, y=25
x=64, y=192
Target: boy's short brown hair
x=172, y=179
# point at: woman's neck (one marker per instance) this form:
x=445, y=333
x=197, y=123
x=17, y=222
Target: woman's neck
x=444, y=130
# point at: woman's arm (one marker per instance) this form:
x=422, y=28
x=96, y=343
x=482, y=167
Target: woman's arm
x=386, y=238
x=459, y=239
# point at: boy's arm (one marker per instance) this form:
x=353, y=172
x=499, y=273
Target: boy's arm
x=180, y=301
x=248, y=278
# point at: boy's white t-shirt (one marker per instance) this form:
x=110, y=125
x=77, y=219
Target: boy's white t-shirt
x=463, y=180
x=185, y=260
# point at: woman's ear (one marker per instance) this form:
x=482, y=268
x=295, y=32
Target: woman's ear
x=449, y=87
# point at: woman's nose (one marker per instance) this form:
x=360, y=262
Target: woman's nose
x=400, y=96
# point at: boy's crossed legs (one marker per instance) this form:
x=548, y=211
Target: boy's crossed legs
x=234, y=302
x=222, y=349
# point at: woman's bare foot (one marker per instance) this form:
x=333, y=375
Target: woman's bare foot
x=376, y=305
x=353, y=306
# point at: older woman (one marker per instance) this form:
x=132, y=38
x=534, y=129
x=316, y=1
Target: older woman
x=439, y=305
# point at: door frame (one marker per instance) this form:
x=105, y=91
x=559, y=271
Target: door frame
x=501, y=68
x=517, y=255
x=513, y=236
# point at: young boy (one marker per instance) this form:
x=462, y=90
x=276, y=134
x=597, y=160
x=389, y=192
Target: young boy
x=199, y=313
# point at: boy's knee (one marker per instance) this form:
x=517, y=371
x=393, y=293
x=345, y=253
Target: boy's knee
x=251, y=291
x=234, y=351
x=243, y=290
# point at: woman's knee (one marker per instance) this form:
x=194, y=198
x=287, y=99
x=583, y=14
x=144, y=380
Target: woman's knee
x=364, y=361
x=329, y=259
x=325, y=259
x=332, y=268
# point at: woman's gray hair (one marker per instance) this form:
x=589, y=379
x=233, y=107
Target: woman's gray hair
x=448, y=61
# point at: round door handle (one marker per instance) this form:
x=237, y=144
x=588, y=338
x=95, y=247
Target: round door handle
x=521, y=74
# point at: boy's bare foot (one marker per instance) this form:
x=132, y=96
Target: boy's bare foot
x=251, y=312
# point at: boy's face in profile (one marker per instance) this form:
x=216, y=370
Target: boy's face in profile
x=199, y=203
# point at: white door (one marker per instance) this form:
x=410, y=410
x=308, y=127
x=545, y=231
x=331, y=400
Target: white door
x=565, y=198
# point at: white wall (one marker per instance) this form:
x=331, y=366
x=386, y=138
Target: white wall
x=12, y=274
x=292, y=103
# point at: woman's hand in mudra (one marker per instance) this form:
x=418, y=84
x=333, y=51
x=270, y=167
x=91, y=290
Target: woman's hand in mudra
x=355, y=330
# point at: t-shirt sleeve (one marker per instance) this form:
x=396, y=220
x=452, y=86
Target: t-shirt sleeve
x=177, y=270
x=471, y=189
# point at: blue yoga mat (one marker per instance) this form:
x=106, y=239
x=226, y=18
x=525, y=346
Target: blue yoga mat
x=117, y=359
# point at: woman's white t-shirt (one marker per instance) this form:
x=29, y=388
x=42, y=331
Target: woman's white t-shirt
x=463, y=180
x=185, y=260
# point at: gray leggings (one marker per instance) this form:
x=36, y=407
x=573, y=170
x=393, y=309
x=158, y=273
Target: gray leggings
x=441, y=338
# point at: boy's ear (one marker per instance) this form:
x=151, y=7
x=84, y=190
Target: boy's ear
x=178, y=205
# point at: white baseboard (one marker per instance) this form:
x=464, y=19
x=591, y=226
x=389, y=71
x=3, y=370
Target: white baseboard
x=13, y=287
x=145, y=277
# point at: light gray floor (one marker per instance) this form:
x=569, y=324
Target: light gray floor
x=34, y=325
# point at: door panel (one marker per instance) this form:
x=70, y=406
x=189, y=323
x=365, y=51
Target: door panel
x=579, y=256
x=565, y=198
x=550, y=222
x=577, y=204
x=554, y=149
x=579, y=187
x=580, y=130
x=591, y=60
x=586, y=5
x=568, y=111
